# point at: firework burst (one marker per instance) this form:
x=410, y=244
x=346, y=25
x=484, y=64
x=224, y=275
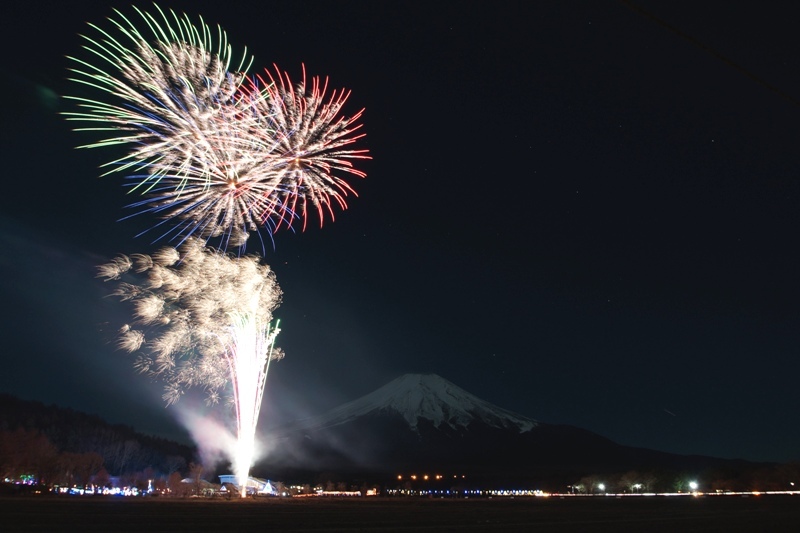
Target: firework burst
x=313, y=143
x=174, y=105
x=214, y=152
x=202, y=319
x=171, y=90
x=191, y=307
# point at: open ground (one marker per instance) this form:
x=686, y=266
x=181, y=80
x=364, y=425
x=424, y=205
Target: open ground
x=711, y=513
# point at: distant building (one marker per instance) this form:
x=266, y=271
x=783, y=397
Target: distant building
x=254, y=485
x=201, y=487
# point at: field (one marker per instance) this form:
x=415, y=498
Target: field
x=711, y=513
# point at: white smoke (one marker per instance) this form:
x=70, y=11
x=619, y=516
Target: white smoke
x=215, y=442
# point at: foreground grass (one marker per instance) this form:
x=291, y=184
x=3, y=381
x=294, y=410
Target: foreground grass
x=106, y=514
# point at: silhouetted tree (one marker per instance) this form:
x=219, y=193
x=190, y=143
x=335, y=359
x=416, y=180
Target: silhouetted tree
x=176, y=485
x=173, y=463
x=87, y=465
x=196, y=474
x=102, y=479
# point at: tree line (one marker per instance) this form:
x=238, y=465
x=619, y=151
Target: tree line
x=741, y=478
x=54, y=445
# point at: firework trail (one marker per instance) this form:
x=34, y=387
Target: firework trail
x=202, y=319
x=215, y=152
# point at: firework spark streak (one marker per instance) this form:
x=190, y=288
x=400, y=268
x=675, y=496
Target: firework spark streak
x=202, y=319
x=248, y=359
x=212, y=150
x=311, y=137
x=171, y=94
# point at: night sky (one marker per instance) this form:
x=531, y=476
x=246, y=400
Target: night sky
x=584, y=212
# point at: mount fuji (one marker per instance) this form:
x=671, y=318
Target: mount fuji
x=423, y=422
x=423, y=399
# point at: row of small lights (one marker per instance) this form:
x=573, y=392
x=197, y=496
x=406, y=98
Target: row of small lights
x=601, y=486
x=470, y=492
x=426, y=477
x=638, y=486
x=115, y=491
x=693, y=486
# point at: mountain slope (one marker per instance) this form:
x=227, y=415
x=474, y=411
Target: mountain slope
x=427, y=397
x=424, y=422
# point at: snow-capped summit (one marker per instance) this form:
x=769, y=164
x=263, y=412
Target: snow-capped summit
x=425, y=396
x=421, y=422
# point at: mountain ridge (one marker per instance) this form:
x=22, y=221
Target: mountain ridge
x=423, y=422
x=421, y=396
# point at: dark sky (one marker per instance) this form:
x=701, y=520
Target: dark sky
x=585, y=212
